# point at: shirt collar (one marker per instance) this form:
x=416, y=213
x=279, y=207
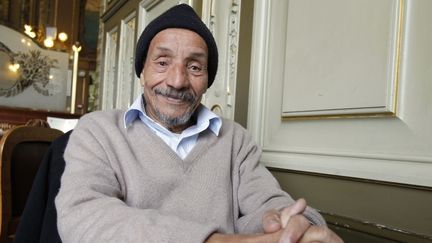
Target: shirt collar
x=205, y=117
x=134, y=111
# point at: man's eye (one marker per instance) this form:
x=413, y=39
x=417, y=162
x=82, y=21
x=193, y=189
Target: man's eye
x=195, y=68
x=162, y=63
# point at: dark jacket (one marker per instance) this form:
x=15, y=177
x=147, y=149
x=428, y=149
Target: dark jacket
x=39, y=219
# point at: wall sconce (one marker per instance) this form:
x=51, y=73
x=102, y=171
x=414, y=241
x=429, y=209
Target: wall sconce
x=50, y=32
x=47, y=39
x=50, y=36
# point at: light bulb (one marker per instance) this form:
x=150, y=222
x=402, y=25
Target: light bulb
x=27, y=28
x=48, y=42
x=14, y=67
x=62, y=36
x=29, y=31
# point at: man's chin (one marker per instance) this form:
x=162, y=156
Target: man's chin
x=175, y=119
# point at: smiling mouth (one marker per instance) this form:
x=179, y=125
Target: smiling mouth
x=175, y=96
x=174, y=99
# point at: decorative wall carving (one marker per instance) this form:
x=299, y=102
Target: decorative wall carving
x=212, y=17
x=223, y=20
x=233, y=41
x=30, y=76
x=33, y=69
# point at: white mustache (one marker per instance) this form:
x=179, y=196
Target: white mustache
x=175, y=94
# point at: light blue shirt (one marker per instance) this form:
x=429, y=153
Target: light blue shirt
x=181, y=143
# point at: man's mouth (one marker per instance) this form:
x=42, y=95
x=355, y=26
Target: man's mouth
x=175, y=95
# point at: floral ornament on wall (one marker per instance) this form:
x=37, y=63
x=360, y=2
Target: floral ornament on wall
x=32, y=69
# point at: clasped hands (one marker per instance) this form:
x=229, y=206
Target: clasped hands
x=290, y=225
x=285, y=226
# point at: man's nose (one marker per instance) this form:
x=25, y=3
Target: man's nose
x=177, y=77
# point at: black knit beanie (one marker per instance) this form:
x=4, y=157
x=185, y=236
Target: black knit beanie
x=180, y=16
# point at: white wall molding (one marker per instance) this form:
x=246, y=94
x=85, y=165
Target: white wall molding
x=127, y=81
x=259, y=69
x=109, y=88
x=384, y=169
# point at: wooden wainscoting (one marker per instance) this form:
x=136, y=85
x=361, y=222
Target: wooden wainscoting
x=362, y=210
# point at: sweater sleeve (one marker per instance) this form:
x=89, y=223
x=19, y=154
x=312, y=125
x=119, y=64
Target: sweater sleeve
x=259, y=191
x=91, y=206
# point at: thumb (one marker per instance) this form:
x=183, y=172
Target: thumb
x=297, y=208
x=271, y=221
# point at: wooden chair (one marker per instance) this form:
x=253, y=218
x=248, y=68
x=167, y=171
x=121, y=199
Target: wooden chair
x=22, y=148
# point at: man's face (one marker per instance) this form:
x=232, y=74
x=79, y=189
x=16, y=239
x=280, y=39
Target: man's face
x=174, y=77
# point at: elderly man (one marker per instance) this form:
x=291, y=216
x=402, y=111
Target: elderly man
x=170, y=170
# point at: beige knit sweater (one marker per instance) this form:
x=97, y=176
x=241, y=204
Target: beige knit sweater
x=126, y=185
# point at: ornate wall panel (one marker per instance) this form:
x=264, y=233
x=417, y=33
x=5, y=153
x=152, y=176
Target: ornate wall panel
x=395, y=149
x=342, y=57
x=110, y=70
x=223, y=19
x=126, y=74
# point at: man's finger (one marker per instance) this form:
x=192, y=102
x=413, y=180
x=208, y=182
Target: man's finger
x=297, y=208
x=295, y=229
x=320, y=234
x=271, y=221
